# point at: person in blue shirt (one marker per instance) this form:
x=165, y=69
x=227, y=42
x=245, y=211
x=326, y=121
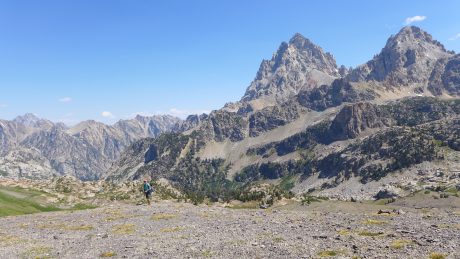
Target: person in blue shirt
x=148, y=190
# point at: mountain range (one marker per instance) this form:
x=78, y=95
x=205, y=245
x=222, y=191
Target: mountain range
x=304, y=124
x=38, y=148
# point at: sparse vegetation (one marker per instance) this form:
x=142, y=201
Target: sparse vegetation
x=278, y=239
x=437, y=256
x=374, y=222
x=307, y=199
x=108, y=254
x=400, y=243
x=7, y=240
x=329, y=253
x=343, y=232
x=369, y=234
x=245, y=205
x=81, y=227
x=287, y=183
x=124, y=229
x=164, y=192
x=38, y=252
x=206, y=253
x=163, y=216
x=173, y=229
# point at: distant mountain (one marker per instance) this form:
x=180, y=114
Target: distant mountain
x=146, y=126
x=32, y=121
x=37, y=148
x=308, y=126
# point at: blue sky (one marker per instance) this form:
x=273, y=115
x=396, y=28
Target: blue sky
x=108, y=60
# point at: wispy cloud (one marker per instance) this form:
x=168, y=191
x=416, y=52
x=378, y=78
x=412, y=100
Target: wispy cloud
x=65, y=99
x=3, y=105
x=456, y=37
x=417, y=18
x=107, y=114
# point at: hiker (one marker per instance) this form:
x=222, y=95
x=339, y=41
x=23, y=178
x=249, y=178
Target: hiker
x=148, y=190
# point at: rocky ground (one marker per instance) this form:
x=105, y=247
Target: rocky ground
x=288, y=230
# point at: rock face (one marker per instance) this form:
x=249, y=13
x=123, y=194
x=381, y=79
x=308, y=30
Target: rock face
x=272, y=117
x=445, y=77
x=67, y=154
x=353, y=119
x=296, y=66
x=36, y=148
x=451, y=76
x=339, y=92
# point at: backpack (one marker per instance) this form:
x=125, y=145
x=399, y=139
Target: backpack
x=151, y=190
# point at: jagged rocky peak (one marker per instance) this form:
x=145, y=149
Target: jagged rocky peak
x=314, y=54
x=297, y=65
x=31, y=120
x=410, y=35
x=26, y=118
x=407, y=58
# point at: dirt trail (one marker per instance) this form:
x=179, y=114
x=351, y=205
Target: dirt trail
x=178, y=230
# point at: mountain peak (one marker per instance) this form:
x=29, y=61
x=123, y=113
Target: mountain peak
x=31, y=120
x=27, y=117
x=411, y=30
x=407, y=59
x=410, y=36
x=297, y=65
x=300, y=42
x=299, y=38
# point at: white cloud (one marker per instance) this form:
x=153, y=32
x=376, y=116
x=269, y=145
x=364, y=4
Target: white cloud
x=107, y=114
x=456, y=37
x=417, y=18
x=3, y=105
x=65, y=99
